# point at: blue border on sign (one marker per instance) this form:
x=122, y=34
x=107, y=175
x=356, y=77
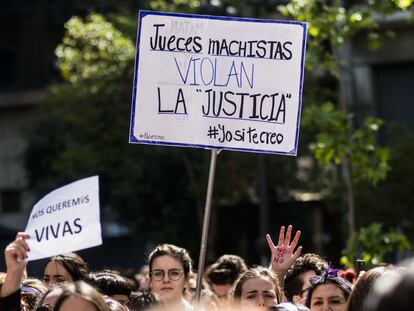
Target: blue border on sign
x=143, y=13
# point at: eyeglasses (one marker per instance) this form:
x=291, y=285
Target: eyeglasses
x=44, y=308
x=173, y=274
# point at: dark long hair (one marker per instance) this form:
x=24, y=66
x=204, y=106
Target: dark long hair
x=73, y=264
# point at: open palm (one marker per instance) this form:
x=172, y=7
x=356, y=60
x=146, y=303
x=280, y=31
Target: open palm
x=284, y=254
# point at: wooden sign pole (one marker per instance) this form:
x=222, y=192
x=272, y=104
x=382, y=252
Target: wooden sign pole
x=206, y=223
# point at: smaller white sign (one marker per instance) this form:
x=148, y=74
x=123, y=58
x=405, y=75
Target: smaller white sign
x=65, y=220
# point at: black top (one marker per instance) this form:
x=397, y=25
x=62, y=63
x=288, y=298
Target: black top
x=11, y=302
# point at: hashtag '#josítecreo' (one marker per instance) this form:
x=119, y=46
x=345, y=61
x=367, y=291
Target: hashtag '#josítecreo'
x=212, y=132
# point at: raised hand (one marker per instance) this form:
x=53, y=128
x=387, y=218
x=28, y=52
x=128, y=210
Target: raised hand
x=15, y=253
x=15, y=256
x=284, y=254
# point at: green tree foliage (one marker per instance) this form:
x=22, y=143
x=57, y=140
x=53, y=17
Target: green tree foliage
x=392, y=200
x=338, y=139
x=333, y=142
x=93, y=50
x=331, y=24
x=372, y=244
x=183, y=6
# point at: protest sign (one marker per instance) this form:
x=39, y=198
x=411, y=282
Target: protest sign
x=218, y=82
x=65, y=220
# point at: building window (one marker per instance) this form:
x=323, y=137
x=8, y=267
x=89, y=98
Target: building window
x=10, y=201
x=393, y=84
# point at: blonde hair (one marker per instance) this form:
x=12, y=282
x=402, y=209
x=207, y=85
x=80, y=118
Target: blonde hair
x=84, y=291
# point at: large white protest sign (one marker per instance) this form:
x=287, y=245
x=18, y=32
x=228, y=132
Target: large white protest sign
x=218, y=82
x=65, y=220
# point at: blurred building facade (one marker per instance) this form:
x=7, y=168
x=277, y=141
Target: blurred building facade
x=381, y=80
x=29, y=32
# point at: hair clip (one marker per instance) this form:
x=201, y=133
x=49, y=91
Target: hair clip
x=330, y=274
x=30, y=290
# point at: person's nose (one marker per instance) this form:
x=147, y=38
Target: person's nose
x=326, y=307
x=260, y=302
x=166, y=278
x=51, y=283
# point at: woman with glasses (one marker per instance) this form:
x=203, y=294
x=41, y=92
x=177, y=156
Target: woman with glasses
x=257, y=288
x=328, y=291
x=170, y=267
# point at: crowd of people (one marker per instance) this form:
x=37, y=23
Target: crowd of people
x=292, y=282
